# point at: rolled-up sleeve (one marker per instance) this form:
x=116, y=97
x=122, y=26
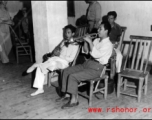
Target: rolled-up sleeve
x=101, y=50
x=98, y=53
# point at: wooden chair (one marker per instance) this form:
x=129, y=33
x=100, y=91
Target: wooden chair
x=94, y=86
x=137, y=69
x=120, y=46
x=112, y=60
x=22, y=46
x=54, y=73
x=80, y=31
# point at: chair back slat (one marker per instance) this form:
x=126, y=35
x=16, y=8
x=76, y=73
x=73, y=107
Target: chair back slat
x=139, y=58
x=85, y=30
x=103, y=71
x=149, y=51
x=135, y=52
x=128, y=53
x=76, y=56
x=81, y=30
x=139, y=55
x=122, y=38
x=142, y=60
x=17, y=40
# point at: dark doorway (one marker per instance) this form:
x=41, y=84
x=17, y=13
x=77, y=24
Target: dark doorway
x=71, y=8
x=20, y=28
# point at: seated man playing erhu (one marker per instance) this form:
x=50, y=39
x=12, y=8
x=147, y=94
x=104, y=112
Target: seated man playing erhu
x=66, y=56
x=100, y=50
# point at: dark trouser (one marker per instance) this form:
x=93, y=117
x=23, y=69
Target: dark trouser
x=91, y=26
x=73, y=75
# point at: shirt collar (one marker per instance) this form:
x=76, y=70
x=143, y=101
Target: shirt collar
x=104, y=40
x=72, y=40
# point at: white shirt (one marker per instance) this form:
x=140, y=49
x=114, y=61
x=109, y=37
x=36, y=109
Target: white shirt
x=69, y=53
x=102, y=50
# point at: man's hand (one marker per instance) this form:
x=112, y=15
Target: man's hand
x=87, y=39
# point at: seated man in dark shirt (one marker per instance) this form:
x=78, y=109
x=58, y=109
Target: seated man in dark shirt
x=116, y=30
x=114, y=36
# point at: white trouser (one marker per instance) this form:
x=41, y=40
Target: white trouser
x=39, y=79
x=52, y=64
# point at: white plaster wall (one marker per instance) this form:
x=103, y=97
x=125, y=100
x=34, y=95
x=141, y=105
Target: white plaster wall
x=39, y=13
x=49, y=17
x=56, y=20
x=13, y=7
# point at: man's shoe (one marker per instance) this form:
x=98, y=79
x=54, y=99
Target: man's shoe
x=62, y=99
x=69, y=105
x=30, y=69
x=37, y=92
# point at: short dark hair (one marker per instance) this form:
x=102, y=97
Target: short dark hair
x=113, y=13
x=1, y=2
x=71, y=27
x=107, y=26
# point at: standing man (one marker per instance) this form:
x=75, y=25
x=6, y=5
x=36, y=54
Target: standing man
x=93, y=15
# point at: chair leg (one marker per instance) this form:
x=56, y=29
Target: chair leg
x=118, y=85
x=31, y=55
x=146, y=83
x=113, y=69
x=125, y=84
x=106, y=87
x=48, y=80
x=17, y=55
x=91, y=93
x=141, y=80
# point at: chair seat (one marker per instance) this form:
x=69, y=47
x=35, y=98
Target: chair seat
x=133, y=74
x=56, y=84
x=100, y=78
